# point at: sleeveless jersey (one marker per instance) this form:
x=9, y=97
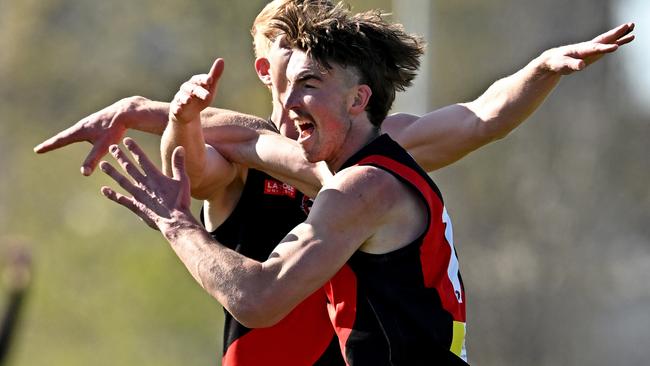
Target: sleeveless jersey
x=267, y=210
x=405, y=307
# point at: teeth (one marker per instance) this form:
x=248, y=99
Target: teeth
x=305, y=129
x=304, y=126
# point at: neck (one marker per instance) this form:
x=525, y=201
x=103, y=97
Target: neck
x=360, y=135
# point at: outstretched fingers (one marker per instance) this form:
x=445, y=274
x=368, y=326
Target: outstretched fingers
x=123, y=181
x=126, y=163
x=141, y=158
x=625, y=40
x=99, y=149
x=143, y=212
x=64, y=138
x=619, y=35
x=588, y=49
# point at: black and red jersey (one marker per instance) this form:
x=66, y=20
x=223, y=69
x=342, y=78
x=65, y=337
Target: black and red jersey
x=405, y=307
x=267, y=210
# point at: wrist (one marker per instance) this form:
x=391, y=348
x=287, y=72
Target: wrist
x=176, y=120
x=180, y=224
x=540, y=70
x=129, y=108
x=541, y=65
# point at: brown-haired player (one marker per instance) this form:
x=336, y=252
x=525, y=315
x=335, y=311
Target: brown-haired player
x=436, y=139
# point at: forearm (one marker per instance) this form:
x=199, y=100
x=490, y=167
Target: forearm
x=445, y=135
x=151, y=116
x=272, y=153
x=236, y=282
x=142, y=114
x=284, y=159
x=509, y=101
x=190, y=136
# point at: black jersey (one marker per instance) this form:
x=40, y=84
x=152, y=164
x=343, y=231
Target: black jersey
x=405, y=307
x=267, y=210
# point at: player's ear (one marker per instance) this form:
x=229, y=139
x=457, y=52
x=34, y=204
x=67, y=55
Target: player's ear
x=360, y=99
x=263, y=67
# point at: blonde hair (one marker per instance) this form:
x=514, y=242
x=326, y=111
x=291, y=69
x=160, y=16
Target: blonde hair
x=263, y=34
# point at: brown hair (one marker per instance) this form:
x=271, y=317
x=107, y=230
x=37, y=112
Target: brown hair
x=263, y=34
x=385, y=57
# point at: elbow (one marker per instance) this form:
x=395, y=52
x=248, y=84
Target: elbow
x=491, y=129
x=491, y=123
x=496, y=134
x=258, y=305
x=250, y=296
x=255, y=312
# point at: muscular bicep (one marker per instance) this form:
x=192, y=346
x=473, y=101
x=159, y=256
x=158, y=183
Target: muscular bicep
x=440, y=137
x=345, y=215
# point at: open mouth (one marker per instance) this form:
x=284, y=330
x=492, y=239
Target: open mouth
x=305, y=128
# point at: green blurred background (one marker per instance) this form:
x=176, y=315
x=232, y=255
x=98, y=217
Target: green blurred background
x=552, y=224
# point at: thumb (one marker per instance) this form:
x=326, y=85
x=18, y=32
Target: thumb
x=184, y=199
x=178, y=163
x=215, y=74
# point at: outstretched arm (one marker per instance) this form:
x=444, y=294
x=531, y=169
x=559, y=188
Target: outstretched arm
x=109, y=125
x=441, y=137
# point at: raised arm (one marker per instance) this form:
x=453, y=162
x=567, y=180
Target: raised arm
x=208, y=171
x=443, y=136
x=256, y=293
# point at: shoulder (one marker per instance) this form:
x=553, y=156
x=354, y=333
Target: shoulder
x=361, y=188
x=356, y=205
x=385, y=213
x=395, y=123
x=365, y=178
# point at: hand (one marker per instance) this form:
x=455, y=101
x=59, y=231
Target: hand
x=196, y=94
x=568, y=59
x=102, y=129
x=160, y=201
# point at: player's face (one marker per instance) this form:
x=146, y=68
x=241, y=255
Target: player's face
x=271, y=69
x=318, y=100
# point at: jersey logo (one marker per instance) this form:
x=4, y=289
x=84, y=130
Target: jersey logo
x=275, y=188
